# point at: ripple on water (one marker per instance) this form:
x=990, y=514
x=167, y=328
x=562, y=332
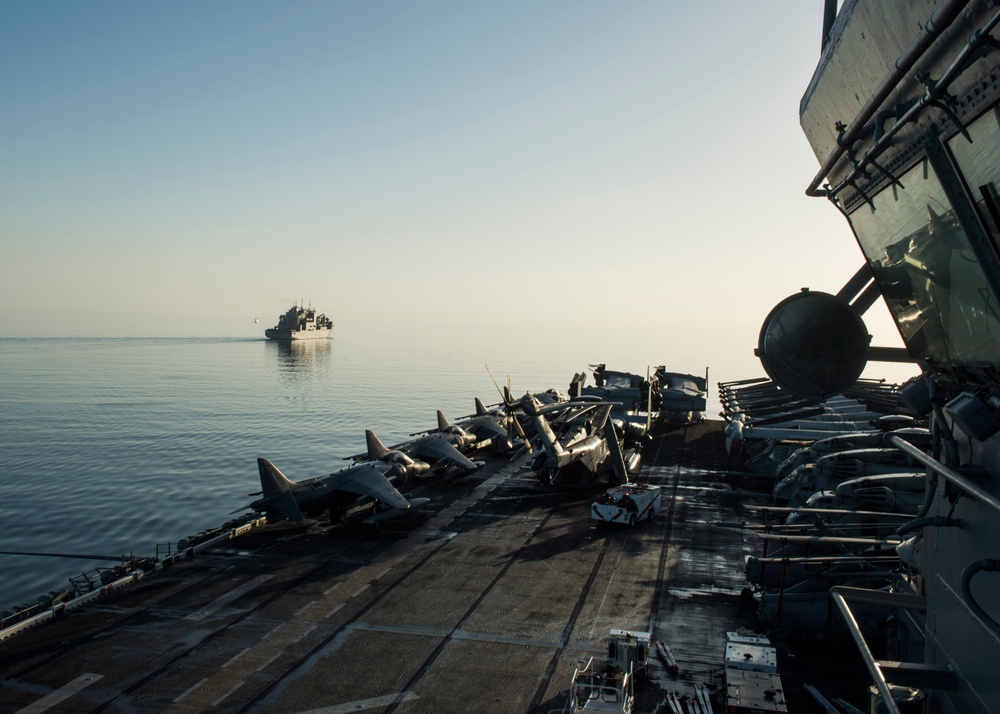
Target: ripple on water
x=115, y=445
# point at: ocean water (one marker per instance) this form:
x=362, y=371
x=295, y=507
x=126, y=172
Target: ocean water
x=111, y=446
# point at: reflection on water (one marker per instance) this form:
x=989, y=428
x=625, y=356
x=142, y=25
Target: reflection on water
x=300, y=359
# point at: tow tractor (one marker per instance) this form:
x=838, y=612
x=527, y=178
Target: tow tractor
x=627, y=503
x=611, y=688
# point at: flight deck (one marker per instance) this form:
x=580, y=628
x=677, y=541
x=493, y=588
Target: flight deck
x=486, y=599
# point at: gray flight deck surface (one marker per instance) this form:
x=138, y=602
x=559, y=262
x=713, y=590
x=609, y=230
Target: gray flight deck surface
x=484, y=600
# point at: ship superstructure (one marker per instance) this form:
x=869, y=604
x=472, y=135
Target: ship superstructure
x=903, y=114
x=301, y=323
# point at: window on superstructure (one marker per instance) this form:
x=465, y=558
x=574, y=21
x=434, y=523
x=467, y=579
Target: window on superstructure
x=929, y=276
x=979, y=163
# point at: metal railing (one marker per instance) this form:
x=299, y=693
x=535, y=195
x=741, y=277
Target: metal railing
x=950, y=475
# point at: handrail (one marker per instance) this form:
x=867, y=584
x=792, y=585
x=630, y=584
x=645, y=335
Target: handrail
x=931, y=96
x=942, y=17
x=839, y=593
x=937, y=467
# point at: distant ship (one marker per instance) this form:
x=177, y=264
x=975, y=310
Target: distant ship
x=301, y=323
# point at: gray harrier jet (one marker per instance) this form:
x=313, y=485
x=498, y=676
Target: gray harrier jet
x=337, y=492
x=442, y=447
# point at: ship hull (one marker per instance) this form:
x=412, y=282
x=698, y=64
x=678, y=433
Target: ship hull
x=288, y=335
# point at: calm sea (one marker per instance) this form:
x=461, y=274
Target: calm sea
x=110, y=446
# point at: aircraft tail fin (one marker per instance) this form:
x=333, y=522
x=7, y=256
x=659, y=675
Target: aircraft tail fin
x=272, y=481
x=442, y=422
x=480, y=408
x=376, y=449
x=277, y=493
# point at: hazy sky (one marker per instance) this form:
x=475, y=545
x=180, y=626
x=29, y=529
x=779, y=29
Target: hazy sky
x=425, y=171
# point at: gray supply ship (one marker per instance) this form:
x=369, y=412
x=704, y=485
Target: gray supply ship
x=301, y=323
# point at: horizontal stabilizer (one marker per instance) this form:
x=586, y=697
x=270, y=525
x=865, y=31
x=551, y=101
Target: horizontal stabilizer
x=285, y=505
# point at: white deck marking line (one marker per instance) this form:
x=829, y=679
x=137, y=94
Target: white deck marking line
x=189, y=690
x=240, y=654
x=456, y=509
x=304, y=608
x=430, y=631
x=373, y=703
x=64, y=692
x=261, y=668
x=270, y=632
x=219, y=701
x=334, y=610
x=227, y=598
x=360, y=590
x=304, y=634
x=331, y=588
x=386, y=570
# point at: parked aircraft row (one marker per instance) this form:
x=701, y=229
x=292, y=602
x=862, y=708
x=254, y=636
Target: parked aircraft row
x=572, y=441
x=677, y=398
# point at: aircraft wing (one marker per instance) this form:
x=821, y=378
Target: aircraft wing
x=369, y=480
x=441, y=450
x=486, y=428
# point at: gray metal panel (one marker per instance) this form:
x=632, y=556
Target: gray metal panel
x=955, y=637
x=866, y=42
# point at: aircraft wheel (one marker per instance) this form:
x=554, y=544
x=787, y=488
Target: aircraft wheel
x=631, y=520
